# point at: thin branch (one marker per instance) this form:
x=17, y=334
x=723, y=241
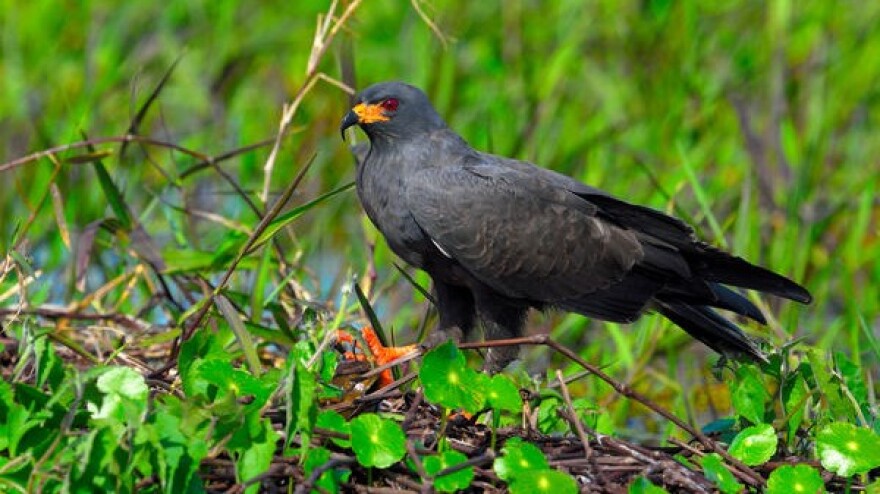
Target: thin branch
x=309, y=484
x=483, y=459
x=427, y=480
x=575, y=421
x=444, y=40
x=328, y=27
x=120, y=319
x=258, y=231
x=9, y=165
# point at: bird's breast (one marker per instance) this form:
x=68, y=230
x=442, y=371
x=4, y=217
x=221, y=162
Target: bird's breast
x=381, y=191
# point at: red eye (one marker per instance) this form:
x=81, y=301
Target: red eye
x=390, y=104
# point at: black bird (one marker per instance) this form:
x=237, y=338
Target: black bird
x=499, y=236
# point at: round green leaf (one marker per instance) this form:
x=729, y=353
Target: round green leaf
x=334, y=421
x=545, y=480
x=798, y=479
x=518, y=457
x=754, y=445
x=449, y=382
x=377, y=442
x=847, y=450
x=502, y=394
x=450, y=482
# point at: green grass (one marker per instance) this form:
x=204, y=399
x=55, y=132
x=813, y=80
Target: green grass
x=755, y=121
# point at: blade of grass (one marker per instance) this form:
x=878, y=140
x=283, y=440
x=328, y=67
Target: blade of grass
x=142, y=111
x=241, y=333
x=258, y=294
x=371, y=314
x=284, y=219
x=110, y=190
x=425, y=293
x=700, y=195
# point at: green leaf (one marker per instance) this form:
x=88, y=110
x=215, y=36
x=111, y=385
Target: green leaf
x=179, y=444
x=217, y=381
x=330, y=480
x=546, y=480
x=329, y=361
x=718, y=474
x=302, y=408
x=448, y=381
x=848, y=450
x=125, y=398
x=754, y=445
x=794, y=402
x=789, y=479
x=720, y=426
x=502, y=394
x=261, y=281
x=113, y=195
x=202, y=345
x=854, y=381
x=377, y=442
x=256, y=458
x=549, y=420
x=334, y=421
x=50, y=369
x=286, y=218
x=642, y=485
x=748, y=394
x=245, y=342
x=826, y=382
x=518, y=457
x=14, y=425
x=94, y=453
x=453, y=481
x=594, y=417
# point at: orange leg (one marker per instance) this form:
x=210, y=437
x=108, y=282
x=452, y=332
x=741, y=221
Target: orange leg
x=381, y=354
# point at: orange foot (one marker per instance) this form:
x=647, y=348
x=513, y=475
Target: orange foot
x=381, y=354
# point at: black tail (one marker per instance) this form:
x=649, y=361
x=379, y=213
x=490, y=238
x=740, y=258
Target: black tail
x=714, y=331
x=712, y=264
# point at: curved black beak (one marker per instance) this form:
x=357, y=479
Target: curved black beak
x=350, y=119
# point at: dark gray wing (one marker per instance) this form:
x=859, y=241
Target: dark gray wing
x=529, y=238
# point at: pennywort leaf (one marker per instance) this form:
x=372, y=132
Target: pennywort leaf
x=377, y=442
x=449, y=382
x=847, y=450
x=754, y=445
x=795, y=478
x=544, y=481
x=453, y=481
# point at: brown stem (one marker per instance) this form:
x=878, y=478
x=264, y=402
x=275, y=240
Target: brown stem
x=749, y=475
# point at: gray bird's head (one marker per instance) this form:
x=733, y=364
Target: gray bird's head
x=392, y=110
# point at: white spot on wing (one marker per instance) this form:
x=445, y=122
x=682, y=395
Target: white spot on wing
x=602, y=230
x=441, y=249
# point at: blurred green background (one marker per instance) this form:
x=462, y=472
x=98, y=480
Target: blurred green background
x=755, y=121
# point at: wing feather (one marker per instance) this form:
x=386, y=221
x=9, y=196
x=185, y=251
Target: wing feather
x=519, y=234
